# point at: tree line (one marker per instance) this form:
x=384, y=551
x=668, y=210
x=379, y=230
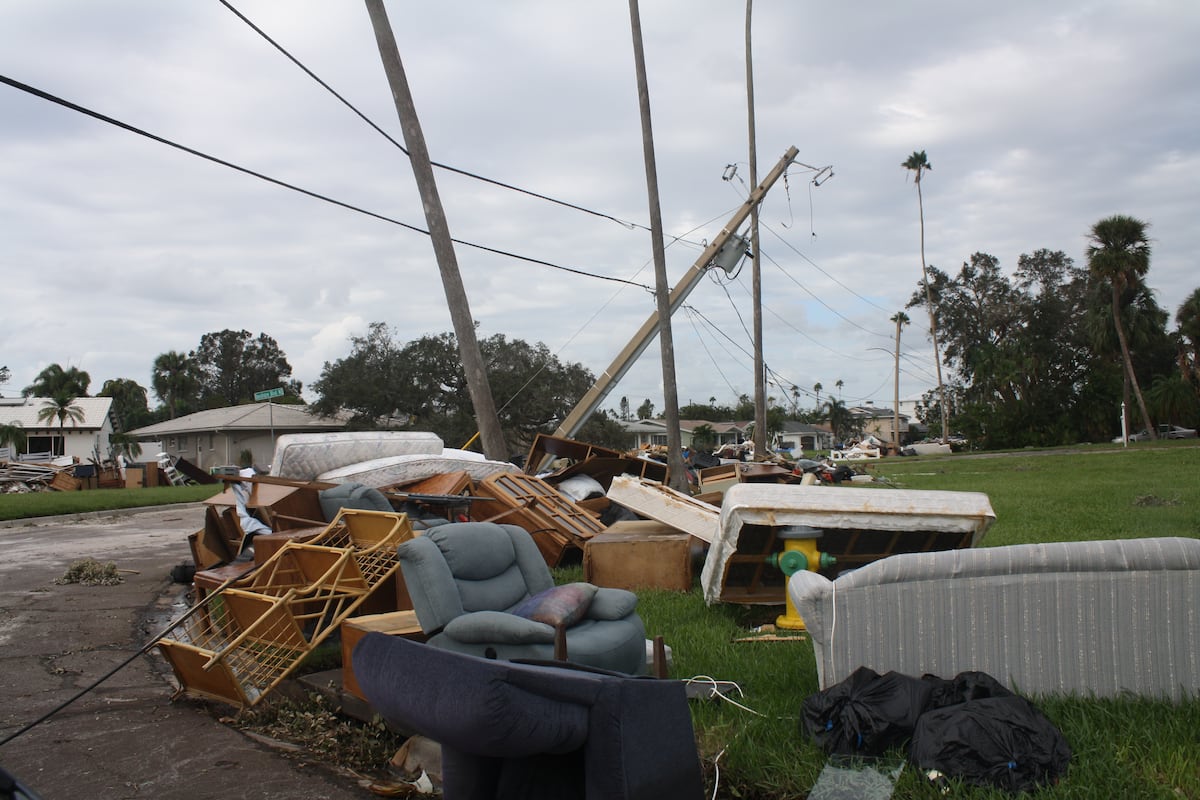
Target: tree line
x=1046, y=356
x=1053, y=353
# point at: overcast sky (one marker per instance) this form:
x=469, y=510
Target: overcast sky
x=1039, y=119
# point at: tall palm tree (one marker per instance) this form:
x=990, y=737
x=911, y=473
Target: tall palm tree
x=901, y=319
x=918, y=164
x=817, y=387
x=1119, y=255
x=62, y=407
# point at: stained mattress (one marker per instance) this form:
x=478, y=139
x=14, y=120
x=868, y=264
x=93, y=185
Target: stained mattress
x=304, y=456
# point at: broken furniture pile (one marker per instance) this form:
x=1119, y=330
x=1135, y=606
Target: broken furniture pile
x=38, y=472
x=239, y=641
x=611, y=511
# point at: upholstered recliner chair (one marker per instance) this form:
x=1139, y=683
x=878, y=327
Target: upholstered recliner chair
x=512, y=730
x=484, y=589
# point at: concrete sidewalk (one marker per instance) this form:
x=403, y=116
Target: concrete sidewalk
x=124, y=739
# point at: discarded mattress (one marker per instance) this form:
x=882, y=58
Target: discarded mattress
x=859, y=525
x=304, y=456
x=379, y=472
x=1101, y=617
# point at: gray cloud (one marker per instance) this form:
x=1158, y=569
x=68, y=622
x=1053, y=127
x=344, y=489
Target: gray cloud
x=116, y=248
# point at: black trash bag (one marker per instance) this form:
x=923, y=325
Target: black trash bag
x=962, y=687
x=867, y=713
x=1003, y=742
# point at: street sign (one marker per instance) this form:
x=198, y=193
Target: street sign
x=268, y=394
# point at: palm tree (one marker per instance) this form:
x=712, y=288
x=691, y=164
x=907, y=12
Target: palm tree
x=817, y=387
x=1119, y=255
x=62, y=407
x=1187, y=318
x=918, y=164
x=840, y=383
x=13, y=435
x=840, y=421
x=901, y=319
x=174, y=379
x=54, y=380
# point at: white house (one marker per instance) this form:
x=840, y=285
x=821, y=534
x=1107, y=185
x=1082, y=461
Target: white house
x=236, y=435
x=83, y=439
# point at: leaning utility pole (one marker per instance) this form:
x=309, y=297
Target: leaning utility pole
x=727, y=243
x=760, y=377
x=678, y=473
x=439, y=232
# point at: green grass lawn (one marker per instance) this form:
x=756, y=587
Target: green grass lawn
x=756, y=750
x=44, y=504
x=1121, y=747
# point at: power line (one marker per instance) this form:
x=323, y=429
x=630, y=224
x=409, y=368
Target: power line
x=624, y=223
x=307, y=192
x=816, y=266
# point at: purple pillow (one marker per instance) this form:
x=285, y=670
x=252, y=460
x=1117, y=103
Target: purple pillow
x=559, y=606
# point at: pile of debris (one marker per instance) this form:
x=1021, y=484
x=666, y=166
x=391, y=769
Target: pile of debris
x=45, y=472
x=38, y=473
x=611, y=511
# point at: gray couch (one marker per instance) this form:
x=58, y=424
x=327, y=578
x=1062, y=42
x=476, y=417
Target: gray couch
x=1095, y=618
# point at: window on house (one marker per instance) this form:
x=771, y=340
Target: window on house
x=659, y=439
x=212, y=439
x=182, y=442
x=171, y=442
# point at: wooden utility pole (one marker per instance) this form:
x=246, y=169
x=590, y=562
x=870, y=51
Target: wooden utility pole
x=678, y=477
x=439, y=232
x=594, y=396
x=760, y=377
x=900, y=319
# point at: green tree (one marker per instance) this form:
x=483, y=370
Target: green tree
x=1173, y=399
x=423, y=384
x=625, y=414
x=129, y=403
x=233, y=365
x=704, y=437
x=918, y=164
x=840, y=420
x=61, y=406
x=12, y=435
x=5, y=375
x=645, y=410
x=1119, y=256
x=817, y=387
x=55, y=380
x=1187, y=318
x=175, y=379
x=604, y=430
x=124, y=444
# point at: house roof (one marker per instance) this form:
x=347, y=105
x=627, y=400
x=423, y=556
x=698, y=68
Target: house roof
x=24, y=411
x=250, y=416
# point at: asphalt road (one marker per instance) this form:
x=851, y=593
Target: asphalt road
x=125, y=738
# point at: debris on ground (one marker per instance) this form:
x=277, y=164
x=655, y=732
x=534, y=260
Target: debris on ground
x=90, y=572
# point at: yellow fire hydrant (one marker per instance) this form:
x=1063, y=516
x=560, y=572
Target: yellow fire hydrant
x=799, y=552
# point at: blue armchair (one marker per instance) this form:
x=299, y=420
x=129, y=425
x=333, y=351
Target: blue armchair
x=467, y=579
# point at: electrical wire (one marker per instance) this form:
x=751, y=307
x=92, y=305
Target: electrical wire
x=715, y=363
x=623, y=223
x=307, y=192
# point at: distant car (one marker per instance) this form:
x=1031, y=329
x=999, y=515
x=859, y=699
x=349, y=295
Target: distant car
x=1164, y=432
x=1176, y=432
